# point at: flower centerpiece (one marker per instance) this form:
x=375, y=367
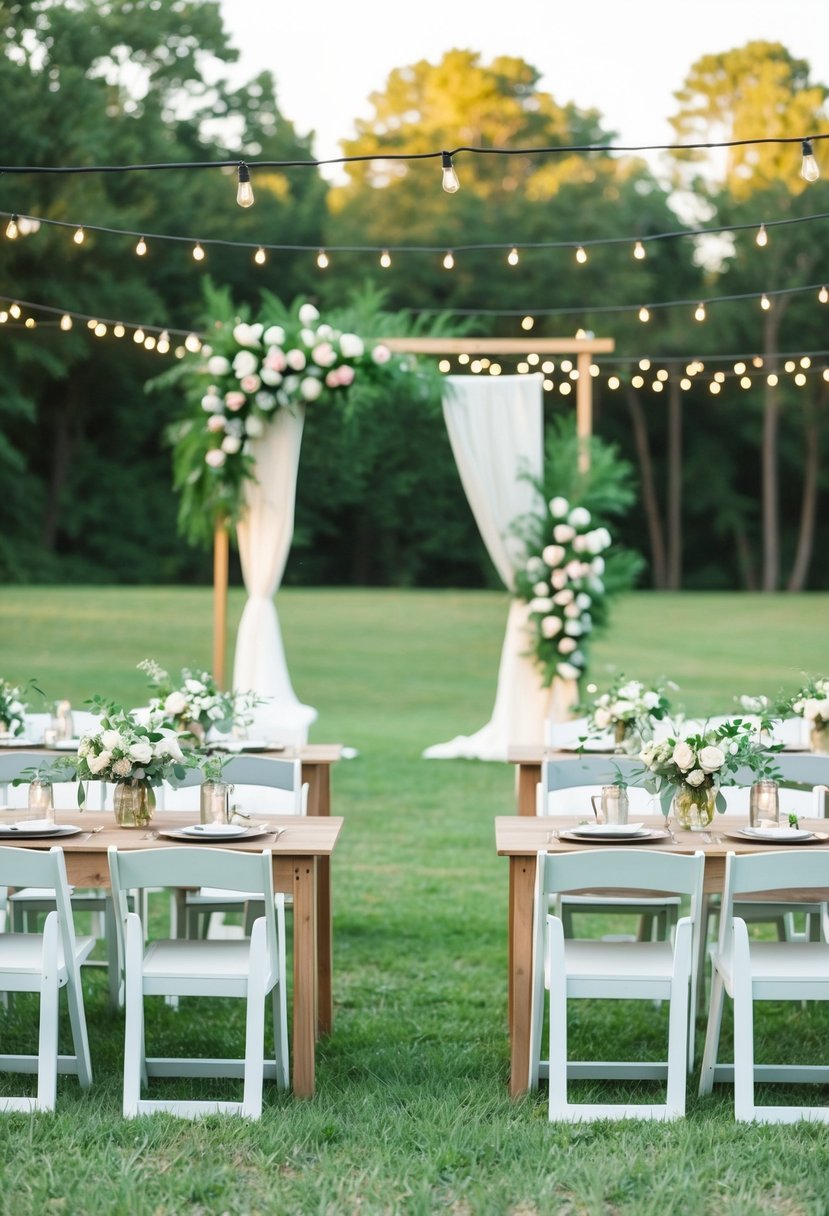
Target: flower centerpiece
x=134, y=756
x=13, y=707
x=629, y=709
x=194, y=704
x=686, y=774
x=811, y=702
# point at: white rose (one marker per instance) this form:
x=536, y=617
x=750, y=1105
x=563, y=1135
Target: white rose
x=254, y=426
x=231, y=444
x=541, y=589
x=583, y=600
x=579, y=517
x=307, y=337
x=310, y=388
x=352, y=346
x=245, y=363
x=603, y=539
x=567, y=645
x=535, y=567
x=581, y=544
x=541, y=605
x=567, y=671
x=265, y=401
x=274, y=335
x=246, y=335
x=573, y=569
x=683, y=755
x=602, y=718
x=112, y=739
x=218, y=365
x=269, y=376
x=211, y=403
x=141, y=752
x=193, y=685
x=553, y=554
x=711, y=758
x=325, y=332
x=597, y=565
x=308, y=314
x=295, y=359
x=572, y=611
x=559, y=579
x=550, y=626
x=695, y=777
x=559, y=507
x=98, y=763
x=565, y=596
x=176, y=703
x=573, y=628
x=650, y=700
x=563, y=533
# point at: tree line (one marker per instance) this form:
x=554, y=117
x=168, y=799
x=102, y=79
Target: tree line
x=730, y=486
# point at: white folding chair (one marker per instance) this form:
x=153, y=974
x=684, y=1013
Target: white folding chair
x=750, y=971
x=263, y=788
x=565, y=788
x=26, y=903
x=647, y=971
x=45, y=962
x=248, y=970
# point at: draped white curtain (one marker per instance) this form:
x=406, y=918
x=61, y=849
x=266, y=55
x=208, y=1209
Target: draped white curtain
x=495, y=427
x=264, y=536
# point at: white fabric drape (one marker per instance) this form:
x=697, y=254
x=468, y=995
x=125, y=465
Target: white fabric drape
x=495, y=427
x=264, y=536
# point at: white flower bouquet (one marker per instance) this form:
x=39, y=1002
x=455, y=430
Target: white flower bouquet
x=195, y=701
x=629, y=709
x=812, y=702
x=564, y=588
x=12, y=708
x=122, y=749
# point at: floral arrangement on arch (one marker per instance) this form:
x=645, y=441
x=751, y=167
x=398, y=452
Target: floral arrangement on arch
x=246, y=371
x=196, y=701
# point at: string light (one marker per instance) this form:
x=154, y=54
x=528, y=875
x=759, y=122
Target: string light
x=385, y=259
x=260, y=257
x=138, y=336
x=512, y=257
x=100, y=330
x=448, y=260
x=765, y=302
x=198, y=253
x=699, y=312
x=644, y=314
x=823, y=295
x=163, y=344
x=809, y=168
x=771, y=379
x=581, y=255
x=78, y=238
x=118, y=330
x=66, y=322
x=762, y=237
x=745, y=382
x=14, y=310
x=141, y=247
x=527, y=323
x=192, y=343
x=639, y=251
x=12, y=229
x=244, y=190
x=30, y=323
x=322, y=260
x=449, y=178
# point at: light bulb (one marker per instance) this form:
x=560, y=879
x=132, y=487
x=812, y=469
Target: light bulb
x=714, y=387
x=385, y=259
x=448, y=260
x=31, y=323
x=4, y=316
x=745, y=382
x=12, y=229
x=198, y=253
x=765, y=302
x=512, y=257
x=450, y=178
x=149, y=342
x=527, y=323
x=118, y=330
x=192, y=343
x=699, y=312
x=639, y=251
x=244, y=190
x=14, y=311
x=322, y=259
x=78, y=237
x=138, y=336
x=163, y=344
x=100, y=330
x=581, y=255
x=772, y=379
x=809, y=168
x=823, y=295
x=259, y=257
x=644, y=314
x=762, y=237
x=141, y=247
x=66, y=321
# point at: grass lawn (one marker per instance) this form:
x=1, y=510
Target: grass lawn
x=411, y=1113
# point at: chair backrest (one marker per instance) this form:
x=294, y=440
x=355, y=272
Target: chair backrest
x=784, y=870
x=21, y=867
x=205, y=866
x=261, y=785
x=13, y=764
x=567, y=784
x=620, y=869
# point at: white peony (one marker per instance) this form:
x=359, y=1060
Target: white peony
x=683, y=755
x=141, y=752
x=579, y=517
x=175, y=704
x=245, y=363
x=711, y=758
x=559, y=507
x=274, y=335
x=695, y=777
x=308, y=315
x=218, y=365
x=352, y=346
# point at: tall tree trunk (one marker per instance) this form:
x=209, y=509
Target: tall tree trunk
x=745, y=559
x=63, y=417
x=649, y=497
x=809, y=496
x=673, y=579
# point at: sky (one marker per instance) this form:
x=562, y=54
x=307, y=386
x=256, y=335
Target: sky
x=625, y=58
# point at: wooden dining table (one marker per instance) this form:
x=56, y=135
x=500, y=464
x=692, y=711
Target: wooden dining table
x=521, y=837
x=302, y=846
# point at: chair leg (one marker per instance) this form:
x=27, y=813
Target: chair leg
x=77, y=1019
x=744, y=1109
x=113, y=961
x=680, y=1051
x=134, y=1016
x=712, y=1034
x=47, y=1050
x=558, y=1108
x=255, y=1026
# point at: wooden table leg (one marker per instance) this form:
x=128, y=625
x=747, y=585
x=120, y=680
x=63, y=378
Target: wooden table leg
x=305, y=976
x=521, y=896
x=318, y=777
x=527, y=777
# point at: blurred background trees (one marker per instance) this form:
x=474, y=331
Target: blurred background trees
x=731, y=487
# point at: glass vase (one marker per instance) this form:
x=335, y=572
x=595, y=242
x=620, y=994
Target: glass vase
x=214, y=802
x=693, y=807
x=133, y=803
x=819, y=737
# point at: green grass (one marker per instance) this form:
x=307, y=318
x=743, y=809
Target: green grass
x=412, y=1113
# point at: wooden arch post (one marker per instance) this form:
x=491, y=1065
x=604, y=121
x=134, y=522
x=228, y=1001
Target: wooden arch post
x=582, y=348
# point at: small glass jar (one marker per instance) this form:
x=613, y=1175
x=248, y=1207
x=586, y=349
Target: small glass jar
x=214, y=802
x=764, y=805
x=611, y=806
x=41, y=801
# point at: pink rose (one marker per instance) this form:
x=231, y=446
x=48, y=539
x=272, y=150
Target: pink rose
x=215, y=458
x=324, y=354
x=235, y=400
x=381, y=353
x=251, y=383
x=275, y=360
x=216, y=422
x=346, y=375
x=333, y=378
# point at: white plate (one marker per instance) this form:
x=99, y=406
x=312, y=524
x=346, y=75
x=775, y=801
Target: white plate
x=241, y=745
x=212, y=838
x=31, y=831
x=783, y=834
x=215, y=831
x=609, y=829
x=646, y=836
